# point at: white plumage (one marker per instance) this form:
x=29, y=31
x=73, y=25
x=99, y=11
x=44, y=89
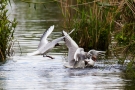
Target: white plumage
x=77, y=57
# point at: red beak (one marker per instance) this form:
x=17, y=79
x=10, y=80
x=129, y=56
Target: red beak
x=94, y=58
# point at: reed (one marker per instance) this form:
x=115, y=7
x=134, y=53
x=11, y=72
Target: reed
x=125, y=31
x=93, y=20
x=125, y=35
x=7, y=28
x=97, y=21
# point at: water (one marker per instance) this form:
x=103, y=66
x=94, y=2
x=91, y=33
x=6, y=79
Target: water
x=22, y=72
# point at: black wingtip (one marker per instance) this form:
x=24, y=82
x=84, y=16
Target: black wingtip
x=63, y=35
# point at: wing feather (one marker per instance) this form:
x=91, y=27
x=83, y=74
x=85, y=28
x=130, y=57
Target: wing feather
x=43, y=39
x=72, y=47
x=77, y=53
x=50, y=45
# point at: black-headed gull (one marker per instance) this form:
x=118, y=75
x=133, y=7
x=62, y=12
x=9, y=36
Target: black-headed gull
x=43, y=42
x=77, y=57
x=45, y=46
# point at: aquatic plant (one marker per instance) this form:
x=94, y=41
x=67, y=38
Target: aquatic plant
x=7, y=28
x=93, y=20
x=98, y=21
x=125, y=35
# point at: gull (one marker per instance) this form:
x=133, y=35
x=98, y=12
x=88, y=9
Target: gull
x=45, y=46
x=43, y=42
x=77, y=57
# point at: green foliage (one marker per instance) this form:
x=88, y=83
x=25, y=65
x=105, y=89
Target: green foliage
x=125, y=36
x=93, y=21
x=96, y=21
x=130, y=71
x=7, y=28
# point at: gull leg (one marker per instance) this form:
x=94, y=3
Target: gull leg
x=44, y=55
x=49, y=57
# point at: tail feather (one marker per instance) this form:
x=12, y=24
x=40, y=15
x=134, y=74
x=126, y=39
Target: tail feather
x=33, y=53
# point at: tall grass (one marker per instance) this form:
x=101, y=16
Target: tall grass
x=125, y=35
x=7, y=28
x=97, y=21
x=92, y=19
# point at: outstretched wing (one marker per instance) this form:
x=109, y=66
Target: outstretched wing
x=70, y=43
x=78, y=54
x=79, y=58
x=51, y=44
x=72, y=47
x=43, y=39
x=96, y=53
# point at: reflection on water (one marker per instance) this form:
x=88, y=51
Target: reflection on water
x=32, y=24
x=41, y=73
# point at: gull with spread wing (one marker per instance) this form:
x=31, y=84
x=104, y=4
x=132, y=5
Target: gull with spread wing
x=43, y=42
x=45, y=46
x=77, y=57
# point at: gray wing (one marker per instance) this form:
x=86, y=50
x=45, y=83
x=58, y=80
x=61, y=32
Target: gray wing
x=96, y=53
x=79, y=58
x=43, y=39
x=50, y=45
x=72, y=47
x=79, y=54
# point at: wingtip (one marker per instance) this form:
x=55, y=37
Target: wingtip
x=33, y=53
x=64, y=33
x=71, y=31
x=53, y=26
x=29, y=54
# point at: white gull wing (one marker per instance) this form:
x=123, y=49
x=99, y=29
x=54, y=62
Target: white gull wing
x=78, y=54
x=96, y=53
x=46, y=48
x=51, y=44
x=43, y=39
x=33, y=53
x=81, y=58
x=72, y=47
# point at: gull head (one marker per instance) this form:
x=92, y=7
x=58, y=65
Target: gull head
x=93, y=54
x=89, y=62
